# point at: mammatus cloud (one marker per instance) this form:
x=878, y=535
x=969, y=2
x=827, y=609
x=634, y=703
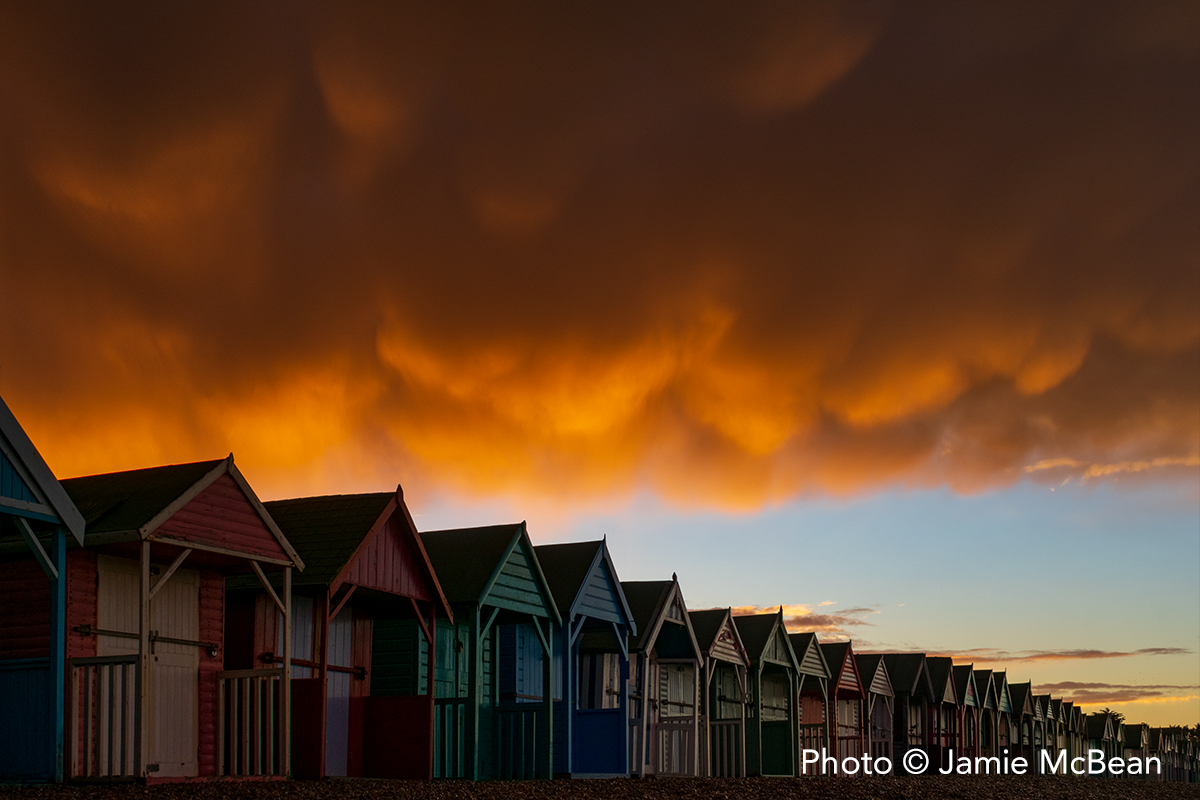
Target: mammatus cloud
x=732, y=257
x=986, y=655
x=800, y=618
x=1106, y=693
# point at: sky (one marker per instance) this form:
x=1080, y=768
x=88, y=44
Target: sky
x=885, y=313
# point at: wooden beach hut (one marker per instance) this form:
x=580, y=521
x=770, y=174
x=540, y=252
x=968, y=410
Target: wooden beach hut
x=1026, y=722
x=723, y=711
x=146, y=613
x=495, y=710
x=366, y=606
x=879, y=705
x=847, y=722
x=591, y=708
x=664, y=665
x=1006, y=736
x=944, y=711
x=812, y=730
x=37, y=521
x=1101, y=734
x=988, y=706
x=771, y=747
x=914, y=698
x=967, y=741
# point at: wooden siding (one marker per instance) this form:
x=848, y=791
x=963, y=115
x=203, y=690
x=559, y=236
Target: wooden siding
x=392, y=563
x=724, y=646
x=11, y=483
x=777, y=648
x=212, y=623
x=879, y=684
x=81, y=602
x=516, y=588
x=810, y=663
x=24, y=610
x=222, y=516
x=399, y=662
x=598, y=596
x=848, y=680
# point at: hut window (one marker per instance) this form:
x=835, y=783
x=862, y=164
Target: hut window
x=774, y=698
x=676, y=690
x=599, y=680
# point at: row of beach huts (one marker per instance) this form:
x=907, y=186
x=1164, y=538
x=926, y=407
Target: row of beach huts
x=164, y=624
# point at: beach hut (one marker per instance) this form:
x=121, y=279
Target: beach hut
x=1101, y=734
x=880, y=703
x=1026, y=723
x=495, y=710
x=592, y=660
x=812, y=730
x=914, y=699
x=1006, y=736
x=664, y=669
x=366, y=606
x=772, y=688
x=848, y=728
x=988, y=706
x=1137, y=745
x=967, y=741
x=145, y=617
x=723, y=713
x=944, y=711
x=37, y=520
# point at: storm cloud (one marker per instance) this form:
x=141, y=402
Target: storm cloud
x=731, y=253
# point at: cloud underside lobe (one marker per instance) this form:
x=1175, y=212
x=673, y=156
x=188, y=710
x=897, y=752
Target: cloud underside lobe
x=984, y=655
x=801, y=618
x=731, y=257
x=1105, y=693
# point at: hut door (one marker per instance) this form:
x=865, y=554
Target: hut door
x=676, y=719
x=175, y=676
x=174, y=668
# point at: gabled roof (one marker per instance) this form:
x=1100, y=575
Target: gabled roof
x=1003, y=695
x=757, y=631
x=808, y=652
x=1099, y=726
x=132, y=505
x=567, y=567
x=941, y=674
x=873, y=673
x=468, y=560
x=331, y=532
x=1021, y=697
x=708, y=623
x=909, y=673
x=964, y=682
x=327, y=530
x=649, y=601
x=987, y=689
x=840, y=657
x=16, y=447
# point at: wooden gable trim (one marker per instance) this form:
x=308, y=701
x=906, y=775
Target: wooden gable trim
x=604, y=557
x=412, y=529
x=780, y=631
x=363, y=544
x=853, y=665
x=36, y=473
x=521, y=539
x=262, y=512
x=660, y=616
x=813, y=647
x=881, y=684
x=727, y=625
x=188, y=496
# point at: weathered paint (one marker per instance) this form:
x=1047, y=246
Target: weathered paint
x=222, y=516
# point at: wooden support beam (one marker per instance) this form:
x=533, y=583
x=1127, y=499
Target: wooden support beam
x=143, y=677
x=35, y=545
x=487, y=627
x=547, y=750
x=166, y=576
x=285, y=690
x=537, y=626
x=337, y=609
x=421, y=621
x=262, y=578
x=430, y=686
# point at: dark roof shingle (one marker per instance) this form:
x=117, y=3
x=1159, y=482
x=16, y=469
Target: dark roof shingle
x=125, y=501
x=465, y=558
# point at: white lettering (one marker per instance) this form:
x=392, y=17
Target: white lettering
x=1057, y=764
x=1020, y=766
x=1095, y=762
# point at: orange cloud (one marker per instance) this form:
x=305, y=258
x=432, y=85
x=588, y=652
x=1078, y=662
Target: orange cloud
x=811, y=249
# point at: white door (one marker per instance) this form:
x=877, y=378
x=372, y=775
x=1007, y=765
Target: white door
x=337, y=702
x=174, y=668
